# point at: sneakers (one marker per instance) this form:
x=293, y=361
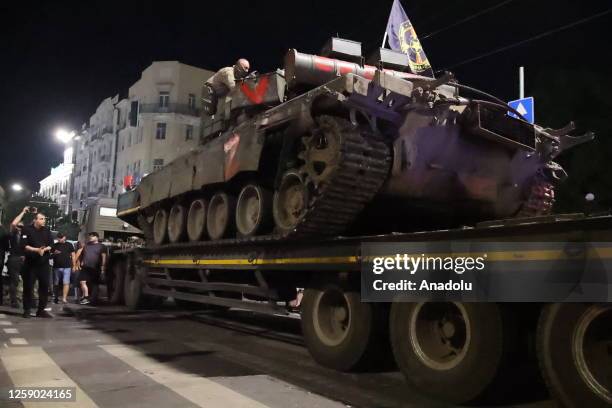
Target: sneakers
x=84, y=301
x=44, y=314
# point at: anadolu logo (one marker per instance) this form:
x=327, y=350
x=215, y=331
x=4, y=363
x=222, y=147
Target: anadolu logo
x=410, y=44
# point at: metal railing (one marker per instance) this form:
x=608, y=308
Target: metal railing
x=181, y=108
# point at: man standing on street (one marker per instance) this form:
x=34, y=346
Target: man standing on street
x=91, y=261
x=63, y=258
x=4, y=248
x=37, y=240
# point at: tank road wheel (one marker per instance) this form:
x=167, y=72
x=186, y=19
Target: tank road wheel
x=160, y=226
x=574, y=345
x=177, y=221
x=290, y=202
x=196, y=220
x=253, y=210
x=220, y=217
x=450, y=351
x=339, y=330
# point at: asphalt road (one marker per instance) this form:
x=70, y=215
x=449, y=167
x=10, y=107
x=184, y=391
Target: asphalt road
x=174, y=358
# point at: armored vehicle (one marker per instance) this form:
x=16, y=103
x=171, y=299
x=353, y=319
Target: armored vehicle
x=329, y=145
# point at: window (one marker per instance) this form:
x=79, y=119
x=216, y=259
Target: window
x=164, y=99
x=160, y=134
x=134, y=113
x=129, y=139
x=189, y=132
x=192, y=101
x=108, y=212
x=158, y=164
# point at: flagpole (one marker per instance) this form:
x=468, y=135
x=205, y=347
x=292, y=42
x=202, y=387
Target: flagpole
x=384, y=40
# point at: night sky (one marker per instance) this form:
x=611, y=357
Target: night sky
x=60, y=59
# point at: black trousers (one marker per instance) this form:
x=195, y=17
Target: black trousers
x=30, y=273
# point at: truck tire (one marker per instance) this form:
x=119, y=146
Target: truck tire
x=118, y=280
x=449, y=351
x=339, y=330
x=574, y=347
x=133, y=290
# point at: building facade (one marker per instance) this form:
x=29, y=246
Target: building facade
x=56, y=186
x=126, y=139
x=159, y=121
x=95, y=155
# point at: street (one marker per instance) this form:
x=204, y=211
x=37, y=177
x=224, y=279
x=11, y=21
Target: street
x=175, y=358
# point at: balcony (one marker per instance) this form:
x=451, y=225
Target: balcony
x=181, y=108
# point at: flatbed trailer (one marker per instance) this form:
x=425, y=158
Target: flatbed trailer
x=453, y=351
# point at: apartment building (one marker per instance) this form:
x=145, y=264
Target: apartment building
x=127, y=138
x=159, y=121
x=56, y=186
x=95, y=154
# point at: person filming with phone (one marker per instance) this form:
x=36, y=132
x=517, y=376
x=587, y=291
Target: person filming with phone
x=37, y=241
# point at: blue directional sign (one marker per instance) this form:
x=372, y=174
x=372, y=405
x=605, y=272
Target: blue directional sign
x=525, y=107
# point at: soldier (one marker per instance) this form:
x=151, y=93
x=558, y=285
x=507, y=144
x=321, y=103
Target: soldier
x=224, y=81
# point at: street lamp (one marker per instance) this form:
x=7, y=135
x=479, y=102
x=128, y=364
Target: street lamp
x=64, y=136
x=16, y=187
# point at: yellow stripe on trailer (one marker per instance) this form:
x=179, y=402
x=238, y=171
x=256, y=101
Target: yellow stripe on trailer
x=271, y=261
x=498, y=256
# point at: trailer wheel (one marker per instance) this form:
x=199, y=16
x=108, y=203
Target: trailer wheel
x=160, y=226
x=574, y=345
x=339, y=330
x=133, y=289
x=196, y=220
x=118, y=280
x=177, y=221
x=220, y=219
x=253, y=210
x=451, y=351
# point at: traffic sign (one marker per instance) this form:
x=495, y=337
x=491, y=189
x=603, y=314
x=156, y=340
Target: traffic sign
x=525, y=107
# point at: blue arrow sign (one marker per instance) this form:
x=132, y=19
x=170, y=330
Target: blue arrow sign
x=525, y=107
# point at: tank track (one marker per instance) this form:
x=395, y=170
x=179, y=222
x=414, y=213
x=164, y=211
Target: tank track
x=361, y=170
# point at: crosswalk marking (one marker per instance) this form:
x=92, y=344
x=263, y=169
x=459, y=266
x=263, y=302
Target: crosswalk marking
x=199, y=390
x=2, y=316
x=5, y=323
x=18, y=341
x=32, y=367
x=11, y=330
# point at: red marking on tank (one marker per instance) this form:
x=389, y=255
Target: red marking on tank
x=324, y=64
x=345, y=67
x=256, y=95
x=369, y=71
x=230, y=147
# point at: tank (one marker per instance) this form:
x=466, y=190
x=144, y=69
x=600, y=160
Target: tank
x=329, y=145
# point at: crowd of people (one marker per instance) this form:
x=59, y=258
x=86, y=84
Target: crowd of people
x=35, y=257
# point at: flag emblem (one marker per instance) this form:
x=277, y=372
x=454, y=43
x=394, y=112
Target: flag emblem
x=410, y=45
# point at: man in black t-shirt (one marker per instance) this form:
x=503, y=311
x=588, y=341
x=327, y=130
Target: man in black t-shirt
x=91, y=260
x=63, y=258
x=37, y=242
